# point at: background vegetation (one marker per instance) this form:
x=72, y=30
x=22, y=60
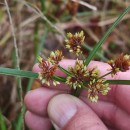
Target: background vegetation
x=40, y=26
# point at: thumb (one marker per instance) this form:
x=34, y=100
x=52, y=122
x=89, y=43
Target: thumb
x=69, y=113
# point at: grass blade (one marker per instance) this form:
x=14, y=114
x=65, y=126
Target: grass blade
x=42, y=42
x=122, y=82
x=43, y=5
x=16, y=56
x=60, y=79
x=95, y=49
x=2, y=122
x=64, y=70
x=98, y=54
x=18, y=73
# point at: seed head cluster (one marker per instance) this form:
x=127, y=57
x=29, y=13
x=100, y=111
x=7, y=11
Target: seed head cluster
x=55, y=57
x=95, y=87
x=74, y=42
x=121, y=63
x=79, y=76
x=48, y=68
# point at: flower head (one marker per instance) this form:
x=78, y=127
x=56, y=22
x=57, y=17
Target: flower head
x=47, y=72
x=94, y=73
x=97, y=87
x=74, y=42
x=73, y=82
x=121, y=63
x=55, y=57
x=79, y=69
x=79, y=74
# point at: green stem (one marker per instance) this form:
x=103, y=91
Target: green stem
x=2, y=122
x=60, y=79
x=98, y=45
x=43, y=7
x=29, y=74
x=53, y=128
x=18, y=73
x=64, y=70
x=26, y=74
x=86, y=46
x=75, y=92
x=105, y=75
x=120, y=82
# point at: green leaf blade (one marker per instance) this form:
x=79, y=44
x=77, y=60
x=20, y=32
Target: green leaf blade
x=18, y=73
x=60, y=79
x=64, y=70
x=95, y=49
x=2, y=122
x=120, y=82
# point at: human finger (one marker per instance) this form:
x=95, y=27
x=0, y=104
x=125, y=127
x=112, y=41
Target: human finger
x=37, y=100
x=69, y=113
x=36, y=122
x=110, y=113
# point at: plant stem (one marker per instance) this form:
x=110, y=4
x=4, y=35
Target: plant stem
x=53, y=128
x=2, y=122
x=105, y=75
x=75, y=92
x=60, y=79
x=18, y=73
x=13, y=34
x=17, y=60
x=98, y=45
x=64, y=70
x=86, y=46
x=29, y=74
x=120, y=82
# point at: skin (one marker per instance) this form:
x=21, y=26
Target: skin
x=46, y=105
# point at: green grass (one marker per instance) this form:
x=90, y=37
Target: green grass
x=2, y=122
x=100, y=55
x=18, y=73
x=120, y=82
x=29, y=74
x=98, y=45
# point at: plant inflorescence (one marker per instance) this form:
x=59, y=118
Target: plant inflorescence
x=79, y=76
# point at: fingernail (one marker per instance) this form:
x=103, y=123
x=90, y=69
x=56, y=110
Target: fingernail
x=61, y=109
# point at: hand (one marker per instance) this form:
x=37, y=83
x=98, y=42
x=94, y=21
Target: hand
x=48, y=105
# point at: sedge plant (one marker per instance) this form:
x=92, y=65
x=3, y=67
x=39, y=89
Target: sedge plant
x=78, y=77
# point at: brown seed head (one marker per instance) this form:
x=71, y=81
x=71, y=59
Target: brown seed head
x=97, y=87
x=55, y=57
x=121, y=63
x=74, y=42
x=47, y=72
x=79, y=74
x=94, y=73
